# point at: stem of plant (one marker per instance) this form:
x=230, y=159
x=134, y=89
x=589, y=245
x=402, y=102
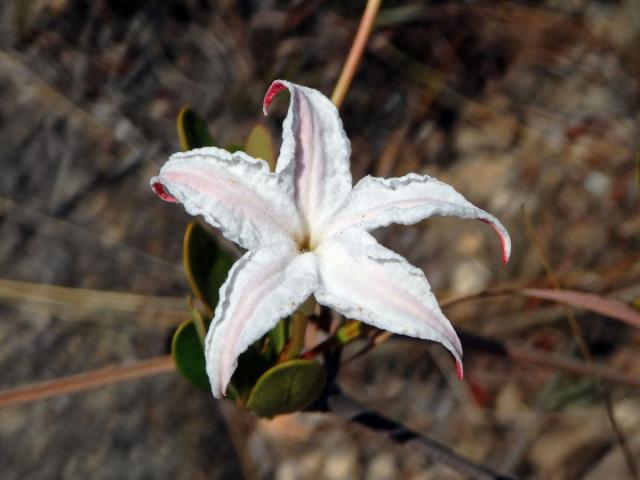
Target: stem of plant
x=298, y=330
x=355, y=54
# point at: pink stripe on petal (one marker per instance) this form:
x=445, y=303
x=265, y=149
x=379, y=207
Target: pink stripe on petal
x=371, y=280
x=314, y=156
x=263, y=287
x=259, y=287
x=230, y=194
x=233, y=192
x=377, y=202
x=365, y=281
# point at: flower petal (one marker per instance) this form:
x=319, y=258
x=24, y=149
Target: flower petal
x=234, y=193
x=263, y=287
x=361, y=279
x=377, y=202
x=315, y=151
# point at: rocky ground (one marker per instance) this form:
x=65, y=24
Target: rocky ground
x=528, y=108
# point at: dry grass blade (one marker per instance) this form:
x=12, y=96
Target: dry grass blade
x=166, y=311
x=86, y=381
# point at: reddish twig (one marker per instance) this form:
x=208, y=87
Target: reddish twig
x=355, y=54
x=86, y=381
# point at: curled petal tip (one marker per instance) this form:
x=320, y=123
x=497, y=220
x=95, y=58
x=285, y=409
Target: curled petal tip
x=276, y=87
x=459, y=370
x=505, y=240
x=159, y=189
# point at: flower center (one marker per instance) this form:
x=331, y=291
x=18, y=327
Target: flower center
x=304, y=243
x=308, y=238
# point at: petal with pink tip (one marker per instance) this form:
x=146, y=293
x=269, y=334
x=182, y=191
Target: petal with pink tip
x=315, y=151
x=363, y=280
x=233, y=192
x=264, y=286
x=377, y=202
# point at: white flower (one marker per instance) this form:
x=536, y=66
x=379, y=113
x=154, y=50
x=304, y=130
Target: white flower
x=306, y=231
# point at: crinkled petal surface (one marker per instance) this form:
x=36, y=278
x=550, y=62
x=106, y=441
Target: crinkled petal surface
x=315, y=151
x=377, y=202
x=233, y=192
x=264, y=286
x=309, y=204
x=363, y=280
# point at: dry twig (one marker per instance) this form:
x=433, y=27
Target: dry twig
x=354, y=412
x=86, y=381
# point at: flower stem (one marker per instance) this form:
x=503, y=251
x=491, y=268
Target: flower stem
x=357, y=49
x=298, y=330
x=86, y=381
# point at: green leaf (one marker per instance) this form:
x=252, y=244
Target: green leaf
x=394, y=16
x=286, y=388
x=251, y=365
x=234, y=147
x=259, y=144
x=192, y=131
x=205, y=264
x=349, y=332
x=188, y=353
x=198, y=321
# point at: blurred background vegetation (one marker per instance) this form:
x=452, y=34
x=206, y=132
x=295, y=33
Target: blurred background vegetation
x=528, y=104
